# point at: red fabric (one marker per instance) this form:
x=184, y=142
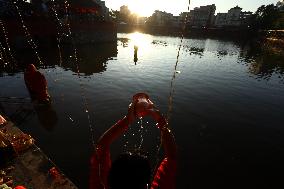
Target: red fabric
x=36, y=83
x=100, y=166
x=19, y=187
x=165, y=175
x=101, y=163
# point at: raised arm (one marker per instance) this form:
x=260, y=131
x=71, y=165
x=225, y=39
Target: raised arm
x=165, y=176
x=167, y=137
x=117, y=129
x=100, y=161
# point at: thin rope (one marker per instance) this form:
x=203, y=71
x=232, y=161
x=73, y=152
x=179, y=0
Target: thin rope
x=83, y=94
x=5, y=33
x=172, y=85
x=27, y=33
x=58, y=38
x=3, y=55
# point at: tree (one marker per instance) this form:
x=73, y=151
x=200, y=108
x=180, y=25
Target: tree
x=266, y=17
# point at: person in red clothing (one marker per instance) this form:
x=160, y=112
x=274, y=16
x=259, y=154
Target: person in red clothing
x=36, y=84
x=133, y=170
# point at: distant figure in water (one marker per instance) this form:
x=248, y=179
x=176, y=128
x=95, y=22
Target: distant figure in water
x=135, y=54
x=36, y=84
x=133, y=171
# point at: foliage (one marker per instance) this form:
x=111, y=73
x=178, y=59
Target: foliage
x=266, y=17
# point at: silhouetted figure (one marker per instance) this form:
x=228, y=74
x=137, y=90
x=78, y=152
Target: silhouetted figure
x=129, y=170
x=36, y=84
x=135, y=54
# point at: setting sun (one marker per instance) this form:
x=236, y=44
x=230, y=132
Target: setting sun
x=141, y=8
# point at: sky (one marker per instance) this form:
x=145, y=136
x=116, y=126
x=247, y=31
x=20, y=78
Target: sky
x=147, y=7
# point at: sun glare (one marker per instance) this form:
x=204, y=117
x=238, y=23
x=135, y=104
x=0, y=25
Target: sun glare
x=140, y=40
x=141, y=8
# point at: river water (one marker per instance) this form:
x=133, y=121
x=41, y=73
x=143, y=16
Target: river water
x=228, y=107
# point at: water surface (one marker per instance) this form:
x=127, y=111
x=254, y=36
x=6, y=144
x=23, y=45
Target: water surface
x=227, y=111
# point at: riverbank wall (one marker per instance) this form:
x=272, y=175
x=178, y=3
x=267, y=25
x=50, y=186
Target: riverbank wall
x=45, y=32
x=31, y=167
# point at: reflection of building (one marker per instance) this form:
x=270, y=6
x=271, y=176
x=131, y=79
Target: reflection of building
x=5, y=6
x=202, y=16
x=93, y=58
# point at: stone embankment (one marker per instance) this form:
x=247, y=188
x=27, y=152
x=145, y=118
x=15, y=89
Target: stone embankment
x=29, y=167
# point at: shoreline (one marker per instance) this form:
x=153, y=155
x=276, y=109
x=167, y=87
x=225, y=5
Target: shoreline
x=32, y=168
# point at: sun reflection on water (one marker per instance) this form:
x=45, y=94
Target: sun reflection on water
x=140, y=40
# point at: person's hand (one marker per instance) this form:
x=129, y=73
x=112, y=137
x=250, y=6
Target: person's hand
x=131, y=115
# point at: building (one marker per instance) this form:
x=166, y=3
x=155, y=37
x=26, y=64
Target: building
x=162, y=18
x=221, y=20
x=233, y=16
x=202, y=16
x=280, y=5
x=124, y=10
x=184, y=17
x=85, y=7
x=104, y=10
x=141, y=20
x=176, y=21
x=246, y=19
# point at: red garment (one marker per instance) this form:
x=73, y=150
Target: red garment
x=101, y=163
x=36, y=83
x=19, y=187
x=165, y=175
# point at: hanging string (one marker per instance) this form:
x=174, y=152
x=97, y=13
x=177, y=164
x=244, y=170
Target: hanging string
x=172, y=87
x=28, y=35
x=83, y=94
x=59, y=35
x=5, y=33
x=67, y=5
x=3, y=55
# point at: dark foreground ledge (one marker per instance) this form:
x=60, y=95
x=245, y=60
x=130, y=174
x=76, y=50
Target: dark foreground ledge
x=32, y=168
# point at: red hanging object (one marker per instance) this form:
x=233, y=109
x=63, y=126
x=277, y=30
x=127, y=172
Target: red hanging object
x=142, y=104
